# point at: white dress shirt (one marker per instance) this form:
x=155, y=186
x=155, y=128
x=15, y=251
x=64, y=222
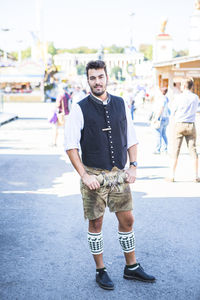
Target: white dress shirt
x=75, y=124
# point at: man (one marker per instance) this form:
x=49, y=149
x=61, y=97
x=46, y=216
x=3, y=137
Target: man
x=184, y=113
x=102, y=124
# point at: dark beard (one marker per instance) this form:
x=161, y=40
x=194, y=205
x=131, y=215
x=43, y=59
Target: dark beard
x=97, y=94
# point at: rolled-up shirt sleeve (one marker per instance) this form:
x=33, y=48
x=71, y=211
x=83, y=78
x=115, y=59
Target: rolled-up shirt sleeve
x=131, y=134
x=73, y=126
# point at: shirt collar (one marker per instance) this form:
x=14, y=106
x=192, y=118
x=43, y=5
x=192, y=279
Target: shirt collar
x=99, y=101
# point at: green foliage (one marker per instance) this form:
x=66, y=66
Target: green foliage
x=80, y=69
x=114, y=49
x=180, y=53
x=51, y=48
x=82, y=49
x=14, y=54
x=26, y=53
x=147, y=50
x=78, y=50
x=116, y=72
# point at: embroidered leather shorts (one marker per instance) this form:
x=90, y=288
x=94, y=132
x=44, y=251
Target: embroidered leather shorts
x=114, y=192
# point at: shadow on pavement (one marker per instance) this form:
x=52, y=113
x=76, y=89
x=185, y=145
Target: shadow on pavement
x=41, y=171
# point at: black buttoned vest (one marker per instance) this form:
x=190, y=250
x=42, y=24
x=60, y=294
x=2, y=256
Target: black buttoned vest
x=104, y=136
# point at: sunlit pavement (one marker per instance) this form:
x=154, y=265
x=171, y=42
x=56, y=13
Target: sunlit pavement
x=43, y=247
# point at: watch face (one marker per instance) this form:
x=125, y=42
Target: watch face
x=133, y=163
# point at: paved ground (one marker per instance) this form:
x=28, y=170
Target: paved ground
x=43, y=247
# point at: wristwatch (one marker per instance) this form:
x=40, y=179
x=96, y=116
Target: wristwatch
x=133, y=163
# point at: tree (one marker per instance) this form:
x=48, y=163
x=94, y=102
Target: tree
x=26, y=53
x=81, y=49
x=14, y=54
x=116, y=72
x=180, y=53
x=51, y=48
x=80, y=69
x=114, y=49
x=147, y=50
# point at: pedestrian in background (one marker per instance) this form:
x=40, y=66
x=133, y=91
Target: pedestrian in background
x=184, y=113
x=101, y=124
x=62, y=109
x=161, y=113
x=78, y=94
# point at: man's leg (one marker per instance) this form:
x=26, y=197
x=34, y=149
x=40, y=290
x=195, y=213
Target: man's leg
x=95, y=240
x=164, y=135
x=95, y=226
x=126, y=221
x=55, y=134
x=132, y=270
x=173, y=166
x=191, y=143
x=178, y=139
x=196, y=166
x=158, y=140
x=94, y=202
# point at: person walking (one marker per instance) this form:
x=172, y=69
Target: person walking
x=62, y=109
x=184, y=113
x=101, y=124
x=162, y=114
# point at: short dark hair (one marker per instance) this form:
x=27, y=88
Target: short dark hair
x=96, y=64
x=189, y=82
x=164, y=90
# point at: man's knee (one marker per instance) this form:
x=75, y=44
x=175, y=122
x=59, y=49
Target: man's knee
x=126, y=221
x=129, y=220
x=95, y=225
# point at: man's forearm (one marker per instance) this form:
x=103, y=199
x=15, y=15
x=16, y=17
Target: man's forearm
x=76, y=161
x=89, y=180
x=132, y=153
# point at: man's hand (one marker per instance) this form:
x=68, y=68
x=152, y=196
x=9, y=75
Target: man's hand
x=131, y=175
x=90, y=181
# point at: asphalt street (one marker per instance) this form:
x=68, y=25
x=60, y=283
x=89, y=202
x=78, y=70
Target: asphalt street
x=44, y=253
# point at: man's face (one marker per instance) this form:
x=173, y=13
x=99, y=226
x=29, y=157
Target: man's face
x=97, y=81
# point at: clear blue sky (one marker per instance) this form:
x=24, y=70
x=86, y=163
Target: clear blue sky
x=72, y=23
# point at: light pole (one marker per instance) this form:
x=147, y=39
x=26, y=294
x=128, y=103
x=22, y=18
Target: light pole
x=132, y=14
